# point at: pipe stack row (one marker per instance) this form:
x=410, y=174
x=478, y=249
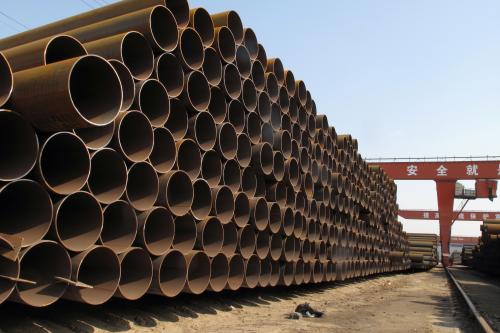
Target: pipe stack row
x=423, y=250
x=486, y=255
x=151, y=148
x=467, y=255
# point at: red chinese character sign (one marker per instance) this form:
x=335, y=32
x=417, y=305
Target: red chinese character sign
x=432, y=215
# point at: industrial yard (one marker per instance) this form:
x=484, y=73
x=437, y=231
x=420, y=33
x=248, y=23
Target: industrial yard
x=163, y=168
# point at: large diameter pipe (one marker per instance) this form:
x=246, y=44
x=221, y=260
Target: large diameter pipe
x=190, y=49
x=87, y=90
x=231, y=82
x=19, y=145
x=265, y=272
x=259, y=213
x=241, y=209
x=243, y=61
x=156, y=231
x=99, y=269
x=275, y=217
x=249, y=181
x=252, y=272
x=264, y=106
x=251, y=43
x=202, y=199
x=176, y=192
x=63, y=163
x=244, y=153
x=9, y=266
x=236, y=115
x=200, y=20
x=230, y=244
x=231, y=175
x=188, y=158
x=219, y=272
x=151, y=98
x=232, y=20
x=119, y=226
x=108, y=176
x=6, y=80
x=277, y=193
x=169, y=274
x=209, y=236
x=202, y=130
x=227, y=141
x=222, y=203
x=263, y=158
x=212, y=67
x=78, y=221
x=258, y=76
x=262, y=244
x=43, y=52
x=211, y=168
x=164, y=153
x=236, y=272
x=275, y=273
x=218, y=105
x=136, y=269
x=199, y=272
x=224, y=44
x=142, y=186
x=185, y=233
x=298, y=276
x=275, y=66
x=287, y=273
x=131, y=48
x=253, y=127
x=168, y=70
x=276, y=246
x=44, y=269
x=246, y=241
x=288, y=221
x=133, y=136
x=127, y=82
x=196, y=92
x=27, y=211
x=96, y=137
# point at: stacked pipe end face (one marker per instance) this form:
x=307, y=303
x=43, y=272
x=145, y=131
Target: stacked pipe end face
x=146, y=147
x=484, y=256
x=423, y=250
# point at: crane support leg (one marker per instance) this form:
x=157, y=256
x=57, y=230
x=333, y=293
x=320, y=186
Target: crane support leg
x=446, y=194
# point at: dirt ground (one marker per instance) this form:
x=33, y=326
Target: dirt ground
x=420, y=302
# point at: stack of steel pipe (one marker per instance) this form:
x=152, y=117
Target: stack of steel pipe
x=486, y=255
x=423, y=250
x=147, y=147
x=467, y=255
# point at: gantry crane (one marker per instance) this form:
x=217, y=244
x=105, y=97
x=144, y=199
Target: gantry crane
x=446, y=173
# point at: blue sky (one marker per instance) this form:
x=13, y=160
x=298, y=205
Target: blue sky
x=407, y=78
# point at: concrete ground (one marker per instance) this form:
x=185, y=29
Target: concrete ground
x=419, y=302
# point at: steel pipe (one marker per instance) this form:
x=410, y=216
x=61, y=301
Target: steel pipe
x=168, y=70
x=286, y=273
x=142, y=186
x=262, y=158
x=284, y=99
x=133, y=136
x=218, y=105
x=289, y=83
x=298, y=276
x=275, y=273
x=169, y=274
x=212, y=67
x=246, y=241
x=211, y=168
x=188, y=158
x=275, y=66
x=262, y=244
x=151, y=98
x=251, y=43
x=44, y=268
x=96, y=137
x=202, y=199
x=119, y=228
x=136, y=274
x=177, y=122
x=156, y=230
x=231, y=175
x=196, y=92
x=131, y=48
x=249, y=181
x=236, y=272
x=6, y=80
x=243, y=61
x=265, y=272
x=209, y=236
x=127, y=83
x=259, y=213
x=87, y=90
x=190, y=50
x=108, y=176
x=227, y=141
x=200, y=20
x=164, y=153
x=257, y=75
x=264, y=106
x=202, y=129
x=222, y=203
x=232, y=20
x=275, y=217
x=230, y=239
x=198, y=272
x=224, y=44
x=219, y=272
x=252, y=272
x=176, y=192
x=276, y=246
x=249, y=95
x=244, y=153
x=9, y=266
x=231, y=82
x=236, y=116
x=185, y=233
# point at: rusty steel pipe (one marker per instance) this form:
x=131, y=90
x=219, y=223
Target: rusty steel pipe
x=259, y=213
x=298, y=276
x=232, y=20
x=127, y=83
x=224, y=44
x=96, y=137
x=151, y=98
x=292, y=172
x=275, y=273
x=209, y=236
x=253, y=127
x=200, y=20
x=142, y=186
x=275, y=217
x=276, y=246
x=263, y=158
x=219, y=272
x=168, y=70
x=218, y=105
x=272, y=87
x=188, y=158
x=278, y=166
x=27, y=211
x=44, y=264
x=307, y=272
x=131, y=48
x=212, y=67
x=231, y=82
x=202, y=129
x=244, y=153
x=202, y=199
x=119, y=226
x=249, y=95
x=136, y=274
x=156, y=230
x=169, y=274
x=190, y=50
x=78, y=221
x=176, y=192
x=276, y=193
x=185, y=233
x=236, y=272
x=63, y=163
x=284, y=99
x=288, y=221
x=264, y=106
x=227, y=141
x=133, y=136
x=99, y=268
x=230, y=244
x=249, y=181
x=287, y=273
x=164, y=153
x=262, y=244
x=211, y=168
x=265, y=272
x=9, y=266
x=282, y=141
x=231, y=175
x=196, y=91
x=198, y=272
x=257, y=75
x=108, y=176
x=243, y=61
x=289, y=83
x=43, y=52
x=251, y=43
x=288, y=249
x=236, y=116
x=246, y=241
x=298, y=224
x=252, y=272
x=19, y=144
x=6, y=80
x=222, y=203
x=87, y=89
x=276, y=115
x=275, y=66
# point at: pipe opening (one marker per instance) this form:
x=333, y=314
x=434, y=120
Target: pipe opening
x=152, y=99
x=119, y=226
x=219, y=272
x=202, y=199
x=108, y=176
x=210, y=236
x=197, y=91
x=258, y=76
x=262, y=55
x=230, y=239
x=223, y=203
x=231, y=81
x=249, y=181
x=263, y=155
x=212, y=67
x=259, y=213
x=164, y=26
x=284, y=100
x=241, y=209
x=276, y=193
x=185, y=233
x=137, y=55
x=142, y=186
x=177, y=122
x=236, y=272
x=127, y=82
x=236, y=115
x=232, y=20
x=18, y=145
x=300, y=92
x=252, y=272
x=163, y=155
x=264, y=106
x=224, y=44
x=190, y=49
x=136, y=274
x=95, y=90
x=200, y=20
x=251, y=43
x=249, y=95
x=246, y=241
x=63, y=47
x=198, y=276
x=189, y=158
x=275, y=116
x=288, y=221
x=290, y=83
x=218, y=105
x=27, y=211
x=232, y=175
x=177, y=192
x=275, y=274
x=278, y=166
x=274, y=217
x=135, y=136
x=253, y=127
x=227, y=141
x=298, y=277
x=41, y=263
x=157, y=230
x=8, y=268
x=287, y=273
x=262, y=244
x=272, y=87
x=276, y=246
x=211, y=168
x=243, y=61
x=6, y=82
x=244, y=153
x=276, y=66
x=171, y=273
x=169, y=72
